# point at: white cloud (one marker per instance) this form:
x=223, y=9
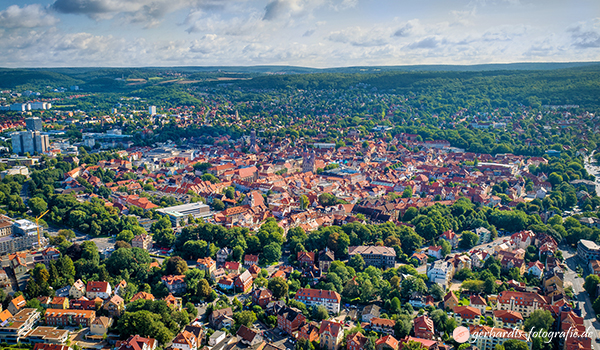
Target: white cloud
x=357, y=36
x=30, y=16
x=585, y=35
x=290, y=9
x=148, y=12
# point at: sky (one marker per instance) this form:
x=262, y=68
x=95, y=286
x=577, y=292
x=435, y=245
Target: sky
x=310, y=33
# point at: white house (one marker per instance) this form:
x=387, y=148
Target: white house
x=440, y=272
x=536, y=268
x=435, y=251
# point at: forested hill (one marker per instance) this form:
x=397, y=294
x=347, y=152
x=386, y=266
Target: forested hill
x=530, y=84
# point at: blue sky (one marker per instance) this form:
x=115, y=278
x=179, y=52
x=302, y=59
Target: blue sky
x=313, y=33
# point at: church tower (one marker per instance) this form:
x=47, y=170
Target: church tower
x=308, y=161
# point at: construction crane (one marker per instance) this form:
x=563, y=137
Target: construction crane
x=37, y=223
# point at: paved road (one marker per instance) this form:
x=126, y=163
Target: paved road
x=593, y=170
x=580, y=295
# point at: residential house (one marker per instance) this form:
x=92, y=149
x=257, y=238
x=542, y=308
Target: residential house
x=309, y=331
x=387, y=342
x=208, y=265
x=508, y=319
x=326, y=257
x=255, y=271
x=484, y=235
x=535, y=268
x=369, y=312
x=175, y=303
x=143, y=241
x=467, y=315
x=77, y=290
x=135, y=342
x=243, y=282
x=523, y=239
x=98, y=289
x=356, y=341
x=418, y=300
x=420, y=257
x=120, y=289
x=84, y=303
x=232, y=266
x=460, y=262
x=310, y=297
x=50, y=254
x=223, y=254
x=478, y=258
x=142, y=295
x=16, y=304
x=450, y=301
x=435, y=251
x=290, y=319
x=451, y=237
x=424, y=328
x=305, y=259
x=185, y=341
x=510, y=260
x=250, y=260
x=248, y=336
x=197, y=331
x=69, y=317
x=58, y=303
x=594, y=266
x=175, y=283
x=18, y=263
x=101, y=325
x=331, y=335
x=478, y=302
x=222, y=318
x=383, y=325
x=261, y=297
x=218, y=274
x=115, y=306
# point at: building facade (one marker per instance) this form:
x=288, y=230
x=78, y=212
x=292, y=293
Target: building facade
x=311, y=297
x=383, y=257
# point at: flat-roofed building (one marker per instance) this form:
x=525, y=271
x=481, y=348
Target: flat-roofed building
x=17, y=327
x=588, y=250
x=50, y=335
x=181, y=212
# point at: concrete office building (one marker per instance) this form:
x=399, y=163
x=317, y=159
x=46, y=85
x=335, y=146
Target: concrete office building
x=30, y=142
x=152, y=110
x=33, y=124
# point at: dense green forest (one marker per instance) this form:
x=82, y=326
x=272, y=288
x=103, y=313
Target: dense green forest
x=578, y=84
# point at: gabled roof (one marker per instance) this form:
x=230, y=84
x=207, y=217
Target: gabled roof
x=246, y=333
x=331, y=327
x=467, y=311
